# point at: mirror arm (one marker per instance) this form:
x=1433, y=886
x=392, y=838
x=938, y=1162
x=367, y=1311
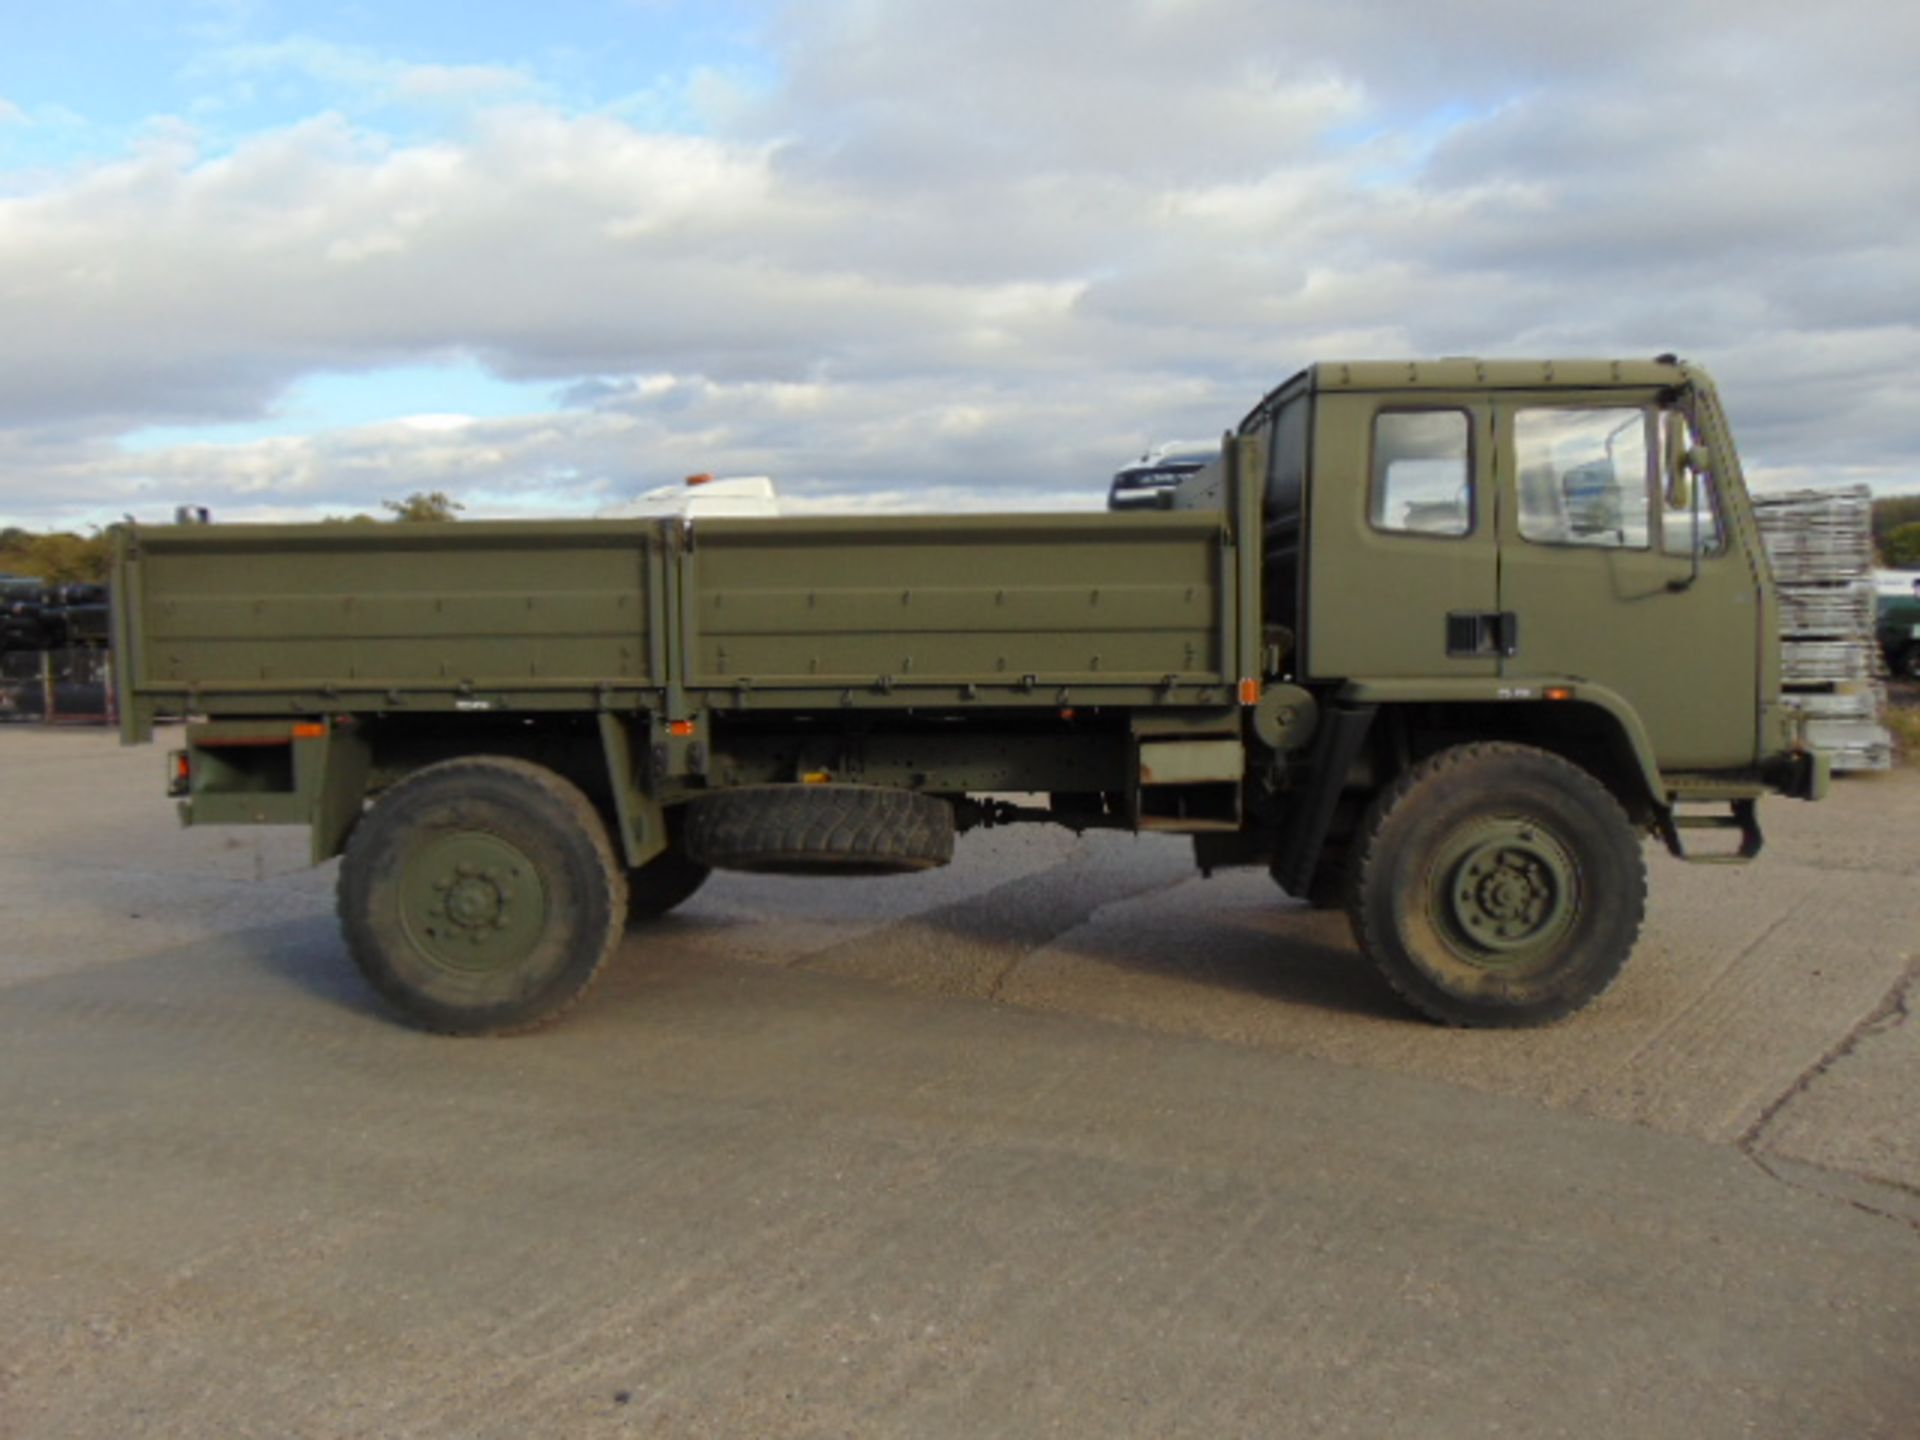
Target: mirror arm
x=1677, y=587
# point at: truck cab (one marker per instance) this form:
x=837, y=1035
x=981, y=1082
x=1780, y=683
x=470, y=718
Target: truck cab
x=1505, y=529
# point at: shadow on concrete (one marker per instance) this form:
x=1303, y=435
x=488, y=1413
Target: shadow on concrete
x=1291, y=954
x=982, y=945
x=306, y=955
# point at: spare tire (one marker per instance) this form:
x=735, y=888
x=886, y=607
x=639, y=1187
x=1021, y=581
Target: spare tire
x=819, y=830
x=662, y=883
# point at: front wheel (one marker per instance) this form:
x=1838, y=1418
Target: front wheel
x=1497, y=885
x=1908, y=661
x=481, y=896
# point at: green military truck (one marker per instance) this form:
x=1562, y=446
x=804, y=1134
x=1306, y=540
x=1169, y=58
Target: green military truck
x=1438, y=642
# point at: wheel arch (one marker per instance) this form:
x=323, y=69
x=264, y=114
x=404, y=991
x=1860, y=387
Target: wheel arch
x=604, y=755
x=1592, y=727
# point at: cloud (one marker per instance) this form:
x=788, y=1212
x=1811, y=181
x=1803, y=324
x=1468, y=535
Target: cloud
x=831, y=447
x=988, y=250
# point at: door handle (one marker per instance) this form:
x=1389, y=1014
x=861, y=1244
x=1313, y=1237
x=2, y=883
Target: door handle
x=1481, y=633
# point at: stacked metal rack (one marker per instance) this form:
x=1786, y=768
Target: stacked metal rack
x=1821, y=545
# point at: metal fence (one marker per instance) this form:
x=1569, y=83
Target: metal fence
x=71, y=686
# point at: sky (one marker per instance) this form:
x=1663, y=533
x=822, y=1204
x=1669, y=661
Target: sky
x=287, y=260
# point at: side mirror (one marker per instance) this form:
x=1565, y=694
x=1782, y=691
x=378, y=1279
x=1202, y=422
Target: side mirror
x=1683, y=462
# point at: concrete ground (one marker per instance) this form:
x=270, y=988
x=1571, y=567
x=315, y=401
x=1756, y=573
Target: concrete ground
x=1059, y=1140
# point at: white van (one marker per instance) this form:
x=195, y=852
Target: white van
x=701, y=495
x=1149, y=483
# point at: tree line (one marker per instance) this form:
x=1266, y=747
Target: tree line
x=1896, y=531
x=61, y=557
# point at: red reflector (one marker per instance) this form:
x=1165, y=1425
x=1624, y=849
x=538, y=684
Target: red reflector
x=309, y=732
x=680, y=727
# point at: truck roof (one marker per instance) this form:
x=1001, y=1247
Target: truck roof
x=1468, y=373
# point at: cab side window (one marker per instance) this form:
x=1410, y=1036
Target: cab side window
x=1287, y=460
x=1583, y=475
x=1422, y=474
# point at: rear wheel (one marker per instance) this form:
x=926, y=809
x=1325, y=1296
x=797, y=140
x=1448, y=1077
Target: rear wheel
x=1909, y=661
x=481, y=896
x=1497, y=885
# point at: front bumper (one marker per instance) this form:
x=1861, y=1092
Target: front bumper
x=1803, y=775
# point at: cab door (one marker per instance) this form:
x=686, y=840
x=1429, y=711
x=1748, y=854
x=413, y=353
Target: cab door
x=1597, y=571
x=1404, y=579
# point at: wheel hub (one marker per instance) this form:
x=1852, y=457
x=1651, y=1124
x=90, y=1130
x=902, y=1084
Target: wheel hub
x=471, y=900
x=475, y=901
x=1512, y=891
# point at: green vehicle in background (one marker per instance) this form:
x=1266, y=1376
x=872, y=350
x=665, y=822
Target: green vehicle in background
x=1438, y=642
x=1897, y=626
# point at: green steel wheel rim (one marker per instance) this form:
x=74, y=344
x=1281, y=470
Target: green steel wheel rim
x=1507, y=893
x=472, y=902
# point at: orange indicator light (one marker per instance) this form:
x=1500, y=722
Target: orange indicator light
x=681, y=728
x=1249, y=692
x=1559, y=692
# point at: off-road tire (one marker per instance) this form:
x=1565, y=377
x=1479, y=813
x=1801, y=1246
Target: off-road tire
x=481, y=896
x=1497, y=885
x=665, y=881
x=820, y=830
